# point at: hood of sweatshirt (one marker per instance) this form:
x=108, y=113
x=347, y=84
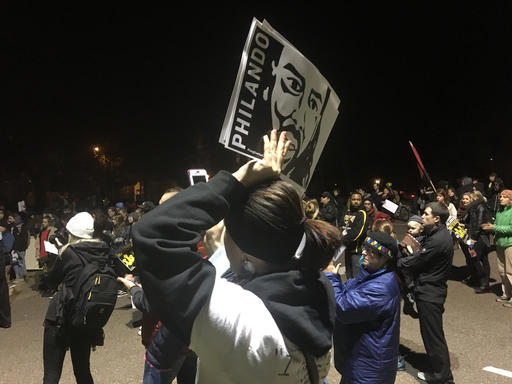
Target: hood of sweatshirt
x=302, y=304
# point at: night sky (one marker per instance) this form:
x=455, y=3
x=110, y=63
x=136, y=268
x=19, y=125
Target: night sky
x=153, y=84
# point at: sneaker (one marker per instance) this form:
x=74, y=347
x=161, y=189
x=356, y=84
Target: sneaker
x=401, y=364
x=409, y=309
x=482, y=289
x=502, y=299
x=508, y=304
x=421, y=376
x=470, y=282
x=48, y=294
x=121, y=293
x=139, y=331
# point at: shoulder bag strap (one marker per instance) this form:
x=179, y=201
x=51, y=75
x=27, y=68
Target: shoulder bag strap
x=314, y=377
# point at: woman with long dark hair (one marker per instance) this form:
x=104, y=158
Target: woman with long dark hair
x=442, y=196
x=479, y=240
x=275, y=323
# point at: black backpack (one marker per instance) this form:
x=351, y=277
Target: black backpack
x=94, y=294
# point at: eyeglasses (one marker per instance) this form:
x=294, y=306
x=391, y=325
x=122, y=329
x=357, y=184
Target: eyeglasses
x=370, y=250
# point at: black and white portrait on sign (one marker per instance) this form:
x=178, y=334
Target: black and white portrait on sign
x=278, y=88
x=298, y=100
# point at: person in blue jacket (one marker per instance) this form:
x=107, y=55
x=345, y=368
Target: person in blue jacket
x=366, y=333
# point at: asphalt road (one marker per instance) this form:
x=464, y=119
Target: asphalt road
x=478, y=330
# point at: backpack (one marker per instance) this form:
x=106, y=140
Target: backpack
x=94, y=294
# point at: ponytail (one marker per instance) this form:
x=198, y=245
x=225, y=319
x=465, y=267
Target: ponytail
x=322, y=242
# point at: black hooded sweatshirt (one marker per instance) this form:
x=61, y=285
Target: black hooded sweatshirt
x=178, y=282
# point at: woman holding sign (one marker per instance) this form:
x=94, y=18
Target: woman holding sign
x=275, y=324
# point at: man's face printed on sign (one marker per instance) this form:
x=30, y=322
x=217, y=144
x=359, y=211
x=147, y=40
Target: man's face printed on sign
x=297, y=101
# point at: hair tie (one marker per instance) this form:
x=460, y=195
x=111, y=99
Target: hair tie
x=300, y=248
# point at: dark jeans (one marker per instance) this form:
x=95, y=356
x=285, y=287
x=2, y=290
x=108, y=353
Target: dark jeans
x=431, y=327
x=54, y=351
x=5, y=305
x=184, y=369
x=153, y=375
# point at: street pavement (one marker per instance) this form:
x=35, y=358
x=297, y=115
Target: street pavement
x=478, y=330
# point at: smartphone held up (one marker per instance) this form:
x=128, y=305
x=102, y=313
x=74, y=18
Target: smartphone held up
x=197, y=176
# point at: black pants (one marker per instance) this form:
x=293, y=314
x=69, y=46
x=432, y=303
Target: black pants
x=352, y=264
x=54, y=351
x=473, y=275
x=187, y=373
x=5, y=305
x=431, y=327
x=481, y=263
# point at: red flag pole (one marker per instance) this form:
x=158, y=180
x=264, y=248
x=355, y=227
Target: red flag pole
x=421, y=167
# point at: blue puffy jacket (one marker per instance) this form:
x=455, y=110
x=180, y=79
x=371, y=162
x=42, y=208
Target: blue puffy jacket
x=367, y=330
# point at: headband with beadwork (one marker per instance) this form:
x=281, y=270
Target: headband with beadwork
x=379, y=247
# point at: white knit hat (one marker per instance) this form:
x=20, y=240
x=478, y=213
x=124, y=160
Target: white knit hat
x=81, y=225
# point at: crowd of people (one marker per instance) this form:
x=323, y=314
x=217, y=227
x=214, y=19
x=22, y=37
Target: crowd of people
x=240, y=279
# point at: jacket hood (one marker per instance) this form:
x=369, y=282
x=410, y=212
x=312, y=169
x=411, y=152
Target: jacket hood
x=91, y=250
x=302, y=304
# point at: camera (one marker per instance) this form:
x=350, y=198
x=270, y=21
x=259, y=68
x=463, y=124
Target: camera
x=59, y=238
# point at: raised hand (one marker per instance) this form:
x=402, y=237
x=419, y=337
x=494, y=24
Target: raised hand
x=274, y=151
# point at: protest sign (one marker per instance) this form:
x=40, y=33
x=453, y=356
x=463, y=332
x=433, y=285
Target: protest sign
x=50, y=248
x=21, y=206
x=390, y=206
x=454, y=227
x=278, y=88
x=127, y=259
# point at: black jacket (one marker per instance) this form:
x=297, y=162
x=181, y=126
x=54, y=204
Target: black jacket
x=356, y=221
x=21, y=238
x=178, y=282
x=430, y=265
x=478, y=213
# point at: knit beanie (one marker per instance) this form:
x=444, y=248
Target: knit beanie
x=507, y=193
x=416, y=218
x=327, y=194
x=382, y=243
x=81, y=225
